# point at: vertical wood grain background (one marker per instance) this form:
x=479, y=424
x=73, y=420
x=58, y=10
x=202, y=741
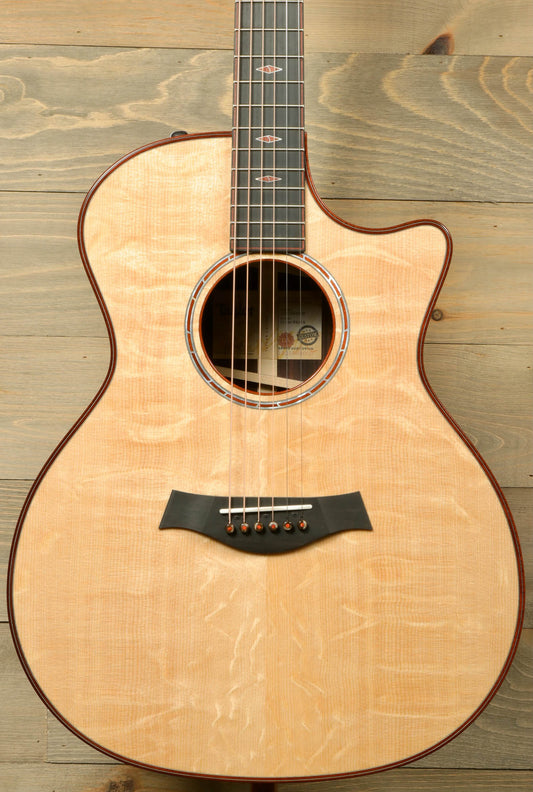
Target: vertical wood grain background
x=413, y=109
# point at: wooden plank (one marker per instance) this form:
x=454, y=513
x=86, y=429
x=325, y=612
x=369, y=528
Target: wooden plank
x=444, y=127
x=46, y=386
x=487, y=27
x=410, y=780
x=66, y=778
x=93, y=778
x=23, y=721
x=487, y=297
x=44, y=289
x=49, y=382
x=491, y=403
x=424, y=134
x=497, y=739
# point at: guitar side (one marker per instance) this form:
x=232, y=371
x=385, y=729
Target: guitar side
x=171, y=651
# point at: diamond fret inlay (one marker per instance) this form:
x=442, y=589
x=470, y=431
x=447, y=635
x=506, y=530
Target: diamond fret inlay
x=268, y=127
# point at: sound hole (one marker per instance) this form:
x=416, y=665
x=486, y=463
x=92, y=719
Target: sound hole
x=281, y=323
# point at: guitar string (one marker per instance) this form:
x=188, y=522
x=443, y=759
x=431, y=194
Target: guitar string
x=262, y=251
x=233, y=239
x=274, y=196
x=300, y=89
x=274, y=212
x=247, y=283
x=272, y=466
x=286, y=336
x=261, y=263
x=237, y=139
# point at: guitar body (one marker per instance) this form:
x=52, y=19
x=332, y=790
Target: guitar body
x=168, y=649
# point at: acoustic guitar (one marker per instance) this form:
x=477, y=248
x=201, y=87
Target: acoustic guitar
x=264, y=551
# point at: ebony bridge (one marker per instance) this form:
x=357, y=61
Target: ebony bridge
x=266, y=527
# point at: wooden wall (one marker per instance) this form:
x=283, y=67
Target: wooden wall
x=414, y=108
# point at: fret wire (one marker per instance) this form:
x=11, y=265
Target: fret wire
x=270, y=238
x=271, y=222
x=265, y=55
x=270, y=30
x=233, y=230
x=280, y=187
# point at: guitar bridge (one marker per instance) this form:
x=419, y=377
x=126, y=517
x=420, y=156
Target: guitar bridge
x=266, y=526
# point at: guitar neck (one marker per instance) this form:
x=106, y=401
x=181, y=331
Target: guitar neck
x=268, y=128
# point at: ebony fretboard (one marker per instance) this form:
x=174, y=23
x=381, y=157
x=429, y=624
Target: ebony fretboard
x=268, y=127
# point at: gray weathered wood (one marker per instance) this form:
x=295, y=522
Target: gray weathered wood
x=410, y=780
x=23, y=719
x=44, y=289
x=488, y=391
x=95, y=778
x=486, y=27
x=74, y=778
x=47, y=384
x=487, y=297
x=453, y=128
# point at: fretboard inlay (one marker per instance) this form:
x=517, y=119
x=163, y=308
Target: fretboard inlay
x=268, y=128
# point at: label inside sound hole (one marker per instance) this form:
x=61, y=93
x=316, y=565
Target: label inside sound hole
x=299, y=327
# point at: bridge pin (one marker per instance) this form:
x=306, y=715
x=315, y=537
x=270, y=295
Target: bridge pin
x=288, y=526
x=302, y=525
x=273, y=526
x=245, y=528
x=259, y=527
x=230, y=529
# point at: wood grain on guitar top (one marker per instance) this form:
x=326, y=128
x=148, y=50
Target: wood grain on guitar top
x=354, y=653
